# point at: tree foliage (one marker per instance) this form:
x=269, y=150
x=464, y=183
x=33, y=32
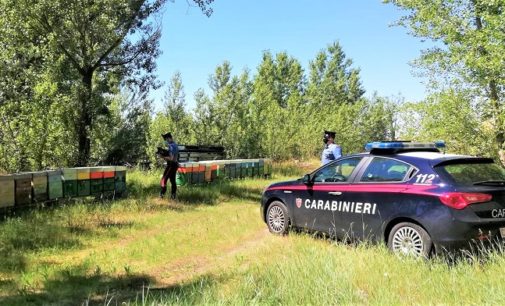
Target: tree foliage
x=277, y=113
x=64, y=65
x=470, y=52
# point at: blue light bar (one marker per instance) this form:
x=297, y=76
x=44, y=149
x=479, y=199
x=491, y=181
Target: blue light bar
x=395, y=145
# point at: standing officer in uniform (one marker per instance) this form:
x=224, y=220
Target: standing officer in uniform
x=331, y=150
x=172, y=166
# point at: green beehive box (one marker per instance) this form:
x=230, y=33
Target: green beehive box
x=189, y=173
x=255, y=168
x=69, y=182
x=220, y=170
x=237, y=169
x=230, y=172
x=249, y=169
x=23, y=184
x=96, y=180
x=83, y=182
x=55, y=184
x=7, y=191
x=96, y=186
x=109, y=174
x=108, y=184
x=120, y=180
x=39, y=184
x=201, y=173
x=83, y=188
x=181, y=177
x=226, y=170
x=214, y=169
x=243, y=169
x=261, y=168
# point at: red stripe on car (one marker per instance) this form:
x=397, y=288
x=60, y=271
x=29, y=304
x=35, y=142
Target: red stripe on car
x=386, y=188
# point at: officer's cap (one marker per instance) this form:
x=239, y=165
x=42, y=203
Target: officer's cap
x=167, y=135
x=329, y=134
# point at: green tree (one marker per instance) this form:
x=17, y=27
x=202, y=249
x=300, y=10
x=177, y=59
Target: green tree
x=173, y=118
x=276, y=98
x=470, y=50
x=451, y=116
x=332, y=79
x=104, y=45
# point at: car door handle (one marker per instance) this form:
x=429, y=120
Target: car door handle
x=337, y=193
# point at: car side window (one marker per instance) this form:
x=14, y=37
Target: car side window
x=339, y=171
x=383, y=169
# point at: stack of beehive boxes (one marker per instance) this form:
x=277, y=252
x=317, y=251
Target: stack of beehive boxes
x=192, y=173
x=23, y=189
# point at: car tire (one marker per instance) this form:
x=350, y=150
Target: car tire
x=277, y=218
x=410, y=239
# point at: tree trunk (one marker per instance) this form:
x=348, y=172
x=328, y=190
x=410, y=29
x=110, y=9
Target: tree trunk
x=85, y=119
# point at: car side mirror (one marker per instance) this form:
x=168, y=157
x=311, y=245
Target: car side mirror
x=306, y=179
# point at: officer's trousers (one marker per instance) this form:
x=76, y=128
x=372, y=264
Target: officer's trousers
x=169, y=174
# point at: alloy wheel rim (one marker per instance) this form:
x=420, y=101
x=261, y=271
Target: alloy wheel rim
x=408, y=241
x=276, y=219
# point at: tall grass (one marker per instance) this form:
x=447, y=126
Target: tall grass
x=211, y=247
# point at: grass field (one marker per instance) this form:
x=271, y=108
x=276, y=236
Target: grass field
x=211, y=247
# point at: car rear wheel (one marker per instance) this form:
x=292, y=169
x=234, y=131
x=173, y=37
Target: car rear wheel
x=410, y=239
x=277, y=218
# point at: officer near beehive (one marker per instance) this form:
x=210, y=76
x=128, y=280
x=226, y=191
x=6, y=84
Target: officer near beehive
x=171, y=156
x=331, y=150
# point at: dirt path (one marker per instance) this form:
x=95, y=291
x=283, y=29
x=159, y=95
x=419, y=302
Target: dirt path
x=188, y=268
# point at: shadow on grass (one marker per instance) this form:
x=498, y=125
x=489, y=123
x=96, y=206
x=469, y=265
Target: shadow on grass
x=75, y=287
x=19, y=237
x=208, y=194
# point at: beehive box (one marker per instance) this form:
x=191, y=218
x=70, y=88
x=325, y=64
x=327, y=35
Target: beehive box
x=23, y=185
x=208, y=172
x=201, y=173
x=120, y=180
x=220, y=169
x=256, y=167
x=243, y=168
x=7, y=191
x=95, y=180
x=250, y=168
x=189, y=173
x=83, y=182
x=214, y=167
x=109, y=174
x=69, y=182
x=261, y=172
x=233, y=170
x=39, y=184
x=181, y=175
x=54, y=184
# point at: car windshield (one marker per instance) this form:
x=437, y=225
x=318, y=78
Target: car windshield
x=466, y=173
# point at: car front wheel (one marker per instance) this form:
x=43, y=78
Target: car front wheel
x=277, y=218
x=410, y=239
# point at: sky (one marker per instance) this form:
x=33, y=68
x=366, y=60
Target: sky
x=240, y=31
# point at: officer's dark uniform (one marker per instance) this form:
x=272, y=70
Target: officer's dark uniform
x=171, y=168
x=331, y=151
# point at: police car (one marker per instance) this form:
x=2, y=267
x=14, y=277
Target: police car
x=411, y=196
